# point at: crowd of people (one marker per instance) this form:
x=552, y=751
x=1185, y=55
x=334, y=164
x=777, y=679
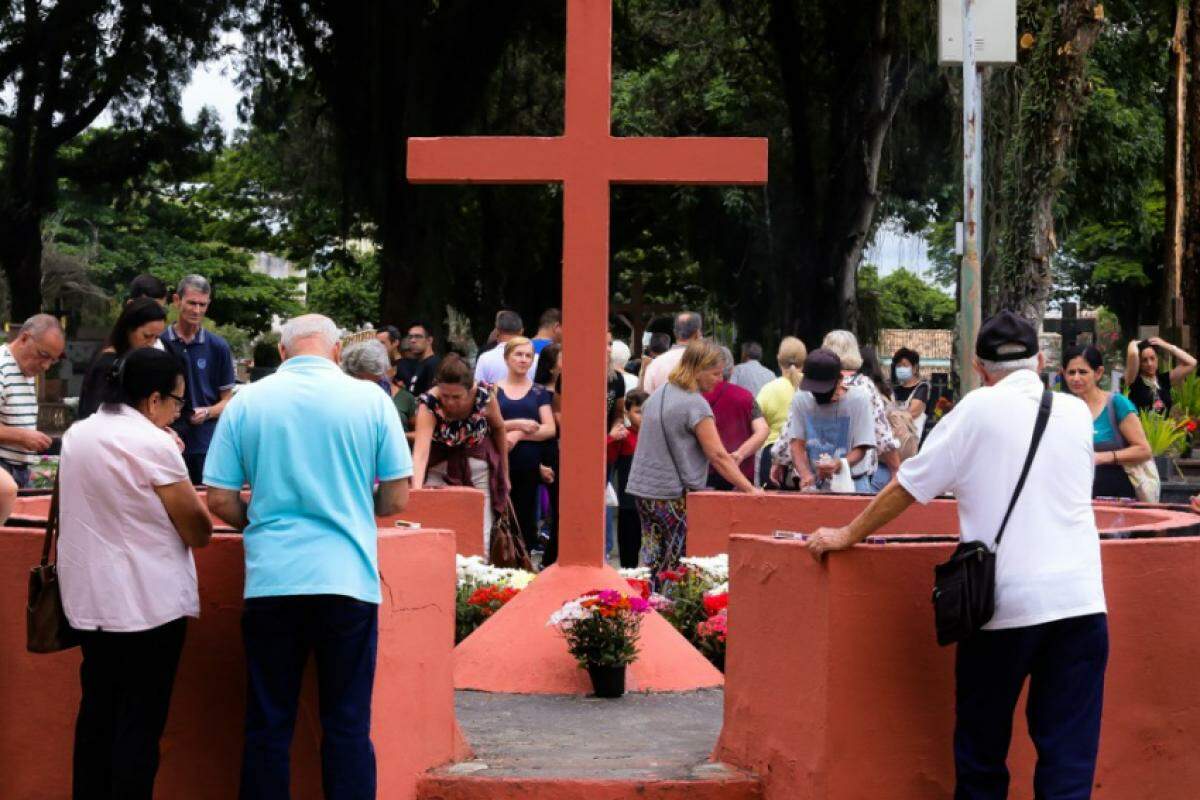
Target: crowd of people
x=159, y=415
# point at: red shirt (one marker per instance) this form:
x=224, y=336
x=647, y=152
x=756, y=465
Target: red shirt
x=621, y=447
x=733, y=411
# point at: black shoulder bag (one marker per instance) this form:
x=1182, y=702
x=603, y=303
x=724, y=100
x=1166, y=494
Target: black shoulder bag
x=964, y=588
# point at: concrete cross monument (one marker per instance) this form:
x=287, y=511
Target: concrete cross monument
x=515, y=651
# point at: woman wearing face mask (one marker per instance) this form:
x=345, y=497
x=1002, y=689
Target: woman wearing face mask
x=1149, y=389
x=460, y=439
x=1117, y=434
x=677, y=442
x=910, y=392
x=129, y=520
x=140, y=323
x=528, y=422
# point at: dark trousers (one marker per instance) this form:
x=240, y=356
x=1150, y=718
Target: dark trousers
x=126, y=680
x=1064, y=661
x=524, y=496
x=21, y=474
x=629, y=536
x=195, y=466
x=279, y=634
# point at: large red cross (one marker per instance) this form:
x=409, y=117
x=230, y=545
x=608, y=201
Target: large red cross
x=586, y=159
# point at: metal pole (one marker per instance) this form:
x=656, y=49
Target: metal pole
x=970, y=279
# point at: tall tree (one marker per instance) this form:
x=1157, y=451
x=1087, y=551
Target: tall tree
x=1040, y=101
x=63, y=64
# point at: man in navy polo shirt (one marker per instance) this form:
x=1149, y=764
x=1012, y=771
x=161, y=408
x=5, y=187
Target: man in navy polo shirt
x=210, y=375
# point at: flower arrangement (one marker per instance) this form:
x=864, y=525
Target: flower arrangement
x=710, y=637
x=601, y=627
x=685, y=588
x=482, y=591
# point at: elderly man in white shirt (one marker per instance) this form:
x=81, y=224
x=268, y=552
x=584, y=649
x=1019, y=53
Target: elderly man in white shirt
x=1050, y=622
x=490, y=367
x=687, y=330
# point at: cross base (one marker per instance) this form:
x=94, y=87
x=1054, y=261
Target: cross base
x=515, y=652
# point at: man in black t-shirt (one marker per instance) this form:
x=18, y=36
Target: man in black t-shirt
x=419, y=366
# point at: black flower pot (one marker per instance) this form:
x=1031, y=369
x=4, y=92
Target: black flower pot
x=607, y=681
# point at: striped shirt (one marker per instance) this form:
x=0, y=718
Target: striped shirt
x=18, y=404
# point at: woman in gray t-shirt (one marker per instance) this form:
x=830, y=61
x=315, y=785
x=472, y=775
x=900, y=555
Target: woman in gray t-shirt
x=676, y=445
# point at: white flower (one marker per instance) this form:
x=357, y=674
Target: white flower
x=635, y=573
x=571, y=611
x=474, y=571
x=719, y=589
x=714, y=568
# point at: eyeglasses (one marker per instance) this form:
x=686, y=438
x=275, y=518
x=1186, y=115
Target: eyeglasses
x=44, y=356
x=416, y=336
x=182, y=401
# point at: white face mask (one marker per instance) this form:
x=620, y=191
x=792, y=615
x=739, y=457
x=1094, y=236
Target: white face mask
x=904, y=374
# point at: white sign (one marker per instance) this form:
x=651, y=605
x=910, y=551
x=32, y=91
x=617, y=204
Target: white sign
x=995, y=32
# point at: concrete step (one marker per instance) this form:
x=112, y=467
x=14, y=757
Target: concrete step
x=469, y=781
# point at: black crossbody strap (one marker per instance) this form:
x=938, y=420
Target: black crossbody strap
x=1039, y=427
x=51, y=538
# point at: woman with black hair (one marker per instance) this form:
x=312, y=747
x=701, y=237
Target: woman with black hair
x=909, y=390
x=128, y=520
x=1149, y=388
x=1118, y=438
x=140, y=323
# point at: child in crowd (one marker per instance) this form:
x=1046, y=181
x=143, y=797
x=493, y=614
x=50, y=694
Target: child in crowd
x=620, y=454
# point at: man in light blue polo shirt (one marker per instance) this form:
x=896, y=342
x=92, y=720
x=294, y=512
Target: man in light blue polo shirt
x=312, y=442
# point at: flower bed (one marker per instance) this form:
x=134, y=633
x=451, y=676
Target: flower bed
x=482, y=590
x=694, y=598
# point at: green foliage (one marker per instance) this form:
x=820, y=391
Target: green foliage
x=1165, y=435
x=901, y=300
x=1186, y=397
x=347, y=290
x=163, y=235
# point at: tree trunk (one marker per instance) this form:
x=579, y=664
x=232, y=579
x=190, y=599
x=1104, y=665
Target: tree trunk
x=1053, y=91
x=1176, y=184
x=21, y=260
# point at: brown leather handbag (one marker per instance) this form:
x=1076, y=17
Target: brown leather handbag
x=46, y=627
x=507, y=547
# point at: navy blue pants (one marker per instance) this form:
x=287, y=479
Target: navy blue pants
x=279, y=634
x=1064, y=661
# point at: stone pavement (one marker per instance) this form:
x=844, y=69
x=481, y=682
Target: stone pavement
x=638, y=736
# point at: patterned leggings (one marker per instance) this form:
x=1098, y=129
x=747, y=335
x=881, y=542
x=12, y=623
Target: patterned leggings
x=664, y=534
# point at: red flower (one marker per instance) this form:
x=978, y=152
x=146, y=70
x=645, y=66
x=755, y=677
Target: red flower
x=1190, y=426
x=675, y=575
x=641, y=587
x=715, y=603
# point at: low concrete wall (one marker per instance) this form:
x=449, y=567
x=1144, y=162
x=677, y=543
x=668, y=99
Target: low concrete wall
x=413, y=724
x=450, y=508
x=836, y=690
x=714, y=516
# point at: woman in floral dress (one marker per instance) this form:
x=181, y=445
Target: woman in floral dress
x=460, y=438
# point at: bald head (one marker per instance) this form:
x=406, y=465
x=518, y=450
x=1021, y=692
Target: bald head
x=40, y=342
x=310, y=335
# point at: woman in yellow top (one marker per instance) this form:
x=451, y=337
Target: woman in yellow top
x=775, y=399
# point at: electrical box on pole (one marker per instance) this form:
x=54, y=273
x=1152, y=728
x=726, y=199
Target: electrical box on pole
x=995, y=32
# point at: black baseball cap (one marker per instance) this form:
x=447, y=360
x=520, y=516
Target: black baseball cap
x=1007, y=337
x=822, y=371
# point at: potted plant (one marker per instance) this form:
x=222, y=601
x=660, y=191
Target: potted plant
x=1165, y=436
x=601, y=629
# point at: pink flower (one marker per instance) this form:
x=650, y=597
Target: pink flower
x=638, y=606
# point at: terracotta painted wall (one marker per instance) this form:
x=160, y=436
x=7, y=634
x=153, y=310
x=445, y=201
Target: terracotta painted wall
x=413, y=724
x=836, y=690
x=714, y=516
x=449, y=508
